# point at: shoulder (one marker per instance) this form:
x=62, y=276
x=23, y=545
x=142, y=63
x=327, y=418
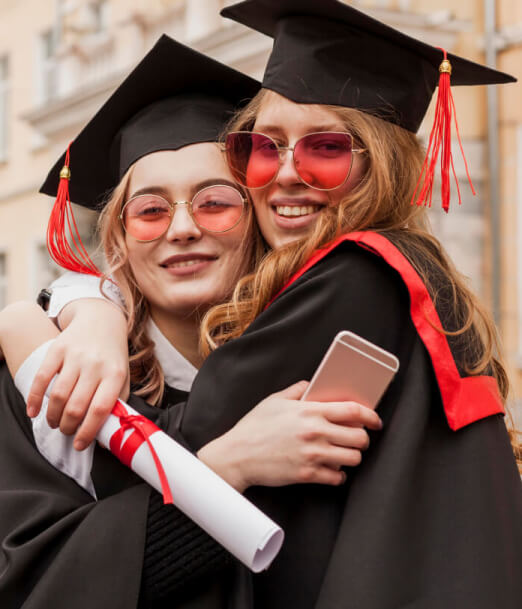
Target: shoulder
x=349, y=289
x=349, y=272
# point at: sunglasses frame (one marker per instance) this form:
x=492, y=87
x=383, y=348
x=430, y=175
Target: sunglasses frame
x=282, y=149
x=172, y=206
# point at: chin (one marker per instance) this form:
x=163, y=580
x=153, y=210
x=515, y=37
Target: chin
x=287, y=239
x=191, y=303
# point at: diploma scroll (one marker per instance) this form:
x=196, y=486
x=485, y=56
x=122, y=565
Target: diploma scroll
x=238, y=525
x=202, y=495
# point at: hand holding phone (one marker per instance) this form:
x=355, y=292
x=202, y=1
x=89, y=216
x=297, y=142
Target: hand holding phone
x=353, y=370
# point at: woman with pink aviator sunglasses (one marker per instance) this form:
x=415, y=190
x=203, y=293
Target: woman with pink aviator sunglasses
x=351, y=252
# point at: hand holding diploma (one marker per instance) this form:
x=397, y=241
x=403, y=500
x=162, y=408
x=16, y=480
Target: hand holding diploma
x=196, y=490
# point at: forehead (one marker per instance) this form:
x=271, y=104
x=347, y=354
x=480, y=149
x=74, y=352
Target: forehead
x=281, y=113
x=181, y=168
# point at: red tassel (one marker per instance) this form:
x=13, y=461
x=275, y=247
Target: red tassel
x=62, y=222
x=440, y=136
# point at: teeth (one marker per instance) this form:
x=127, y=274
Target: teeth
x=179, y=265
x=296, y=210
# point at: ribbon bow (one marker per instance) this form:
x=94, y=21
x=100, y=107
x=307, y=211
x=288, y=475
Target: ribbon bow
x=143, y=429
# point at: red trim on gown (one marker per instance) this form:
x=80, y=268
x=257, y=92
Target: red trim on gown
x=465, y=399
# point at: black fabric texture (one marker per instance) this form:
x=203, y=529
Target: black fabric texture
x=178, y=553
x=431, y=518
x=61, y=549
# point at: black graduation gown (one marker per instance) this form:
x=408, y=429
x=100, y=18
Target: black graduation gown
x=432, y=518
x=59, y=548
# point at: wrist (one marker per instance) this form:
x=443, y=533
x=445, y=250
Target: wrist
x=221, y=455
x=96, y=309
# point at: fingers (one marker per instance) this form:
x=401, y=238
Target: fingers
x=102, y=403
x=294, y=392
x=60, y=394
x=347, y=453
x=337, y=456
x=321, y=475
x=347, y=437
x=351, y=413
x=77, y=404
x=50, y=367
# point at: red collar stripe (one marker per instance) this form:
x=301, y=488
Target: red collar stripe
x=465, y=399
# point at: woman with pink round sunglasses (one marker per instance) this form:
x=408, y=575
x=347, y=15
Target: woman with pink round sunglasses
x=177, y=233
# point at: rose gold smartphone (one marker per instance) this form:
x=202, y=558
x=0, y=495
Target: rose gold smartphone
x=353, y=370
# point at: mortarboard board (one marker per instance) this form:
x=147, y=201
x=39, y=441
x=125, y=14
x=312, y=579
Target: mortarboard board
x=327, y=52
x=174, y=97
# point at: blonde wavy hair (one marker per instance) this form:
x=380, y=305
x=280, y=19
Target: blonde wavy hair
x=392, y=166
x=147, y=379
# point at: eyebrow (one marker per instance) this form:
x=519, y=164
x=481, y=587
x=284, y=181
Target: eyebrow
x=165, y=192
x=274, y=129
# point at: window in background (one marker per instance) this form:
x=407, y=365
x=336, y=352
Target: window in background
x=4, y=106
x=3, y=280
x=47, y=67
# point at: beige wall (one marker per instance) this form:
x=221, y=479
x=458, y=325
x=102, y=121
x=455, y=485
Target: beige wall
x=22, y=213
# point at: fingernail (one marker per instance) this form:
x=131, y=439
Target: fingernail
x=343, y=477
x=79, y=444
x=31, y=411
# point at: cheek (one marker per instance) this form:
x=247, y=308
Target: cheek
x=259, y=203
x=233, y=254
x=356, y=174
x=138, y=254
x=232, y=246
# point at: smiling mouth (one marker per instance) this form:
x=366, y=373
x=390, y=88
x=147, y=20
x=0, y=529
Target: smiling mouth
x=187, y=262
x=180, y=265
x=296, y=211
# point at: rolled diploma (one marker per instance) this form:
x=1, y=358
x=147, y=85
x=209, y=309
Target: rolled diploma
x=201, y=494
x=238, y=525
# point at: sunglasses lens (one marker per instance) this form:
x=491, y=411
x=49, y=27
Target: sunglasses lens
x=324, y=160
x=253, y=158
x=217, y=208
x=146, y=217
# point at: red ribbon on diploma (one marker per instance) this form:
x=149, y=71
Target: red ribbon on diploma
x=143, y=428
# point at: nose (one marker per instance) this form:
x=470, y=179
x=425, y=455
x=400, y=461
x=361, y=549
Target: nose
x=182, y=227
x=287, y=175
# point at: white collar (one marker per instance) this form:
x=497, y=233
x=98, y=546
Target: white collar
x=179, y=372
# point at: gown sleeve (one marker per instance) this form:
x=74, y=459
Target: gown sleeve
x=58, y=547
x=61, y=549
x=75, y=286
x=408, y=529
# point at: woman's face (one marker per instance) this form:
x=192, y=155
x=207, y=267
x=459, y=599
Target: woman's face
x=187, y=269
x=287, y=208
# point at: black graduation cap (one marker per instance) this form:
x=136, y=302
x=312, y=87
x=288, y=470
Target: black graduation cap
x=329, y=53
x=174, y=97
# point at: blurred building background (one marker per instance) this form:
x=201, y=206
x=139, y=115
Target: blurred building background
x=60, y=59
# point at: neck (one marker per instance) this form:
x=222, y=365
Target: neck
x=181, y=332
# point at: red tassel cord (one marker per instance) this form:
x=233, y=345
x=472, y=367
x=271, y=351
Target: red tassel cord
x=61, y=223
x=440, y=138
x=142, y=430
